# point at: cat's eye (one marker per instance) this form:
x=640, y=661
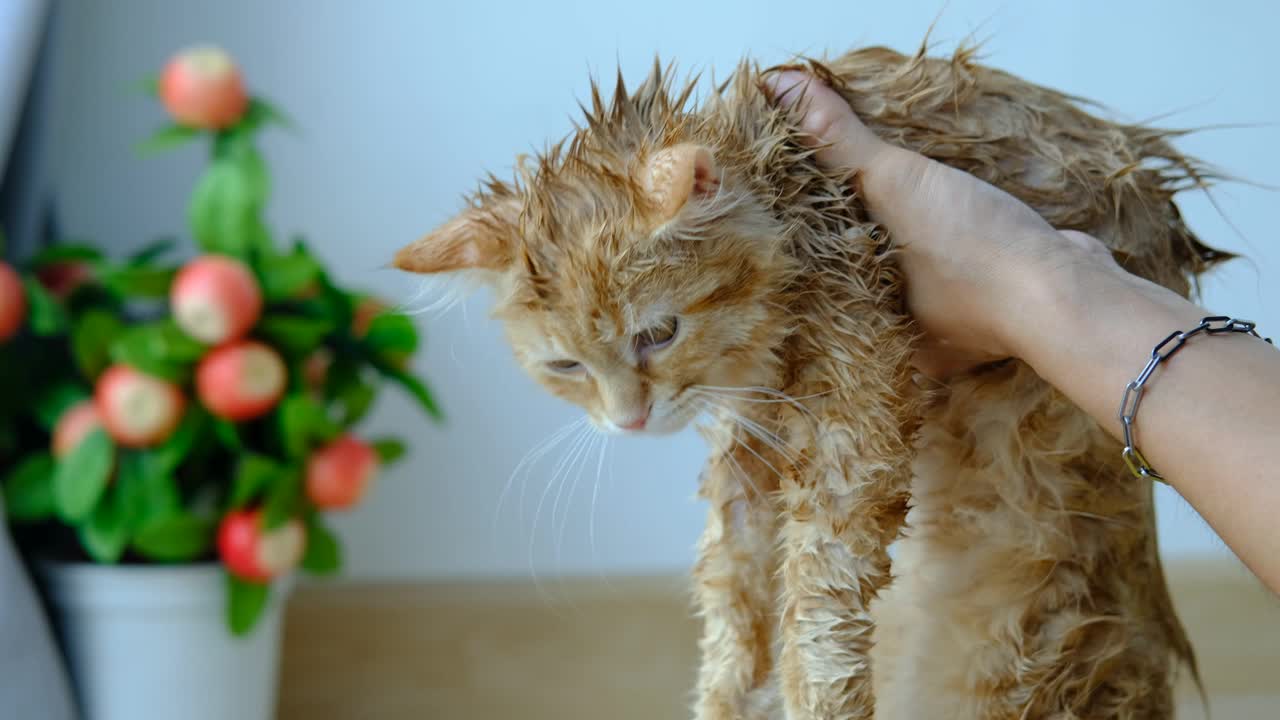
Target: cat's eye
x=565, y=366
x=658, y=336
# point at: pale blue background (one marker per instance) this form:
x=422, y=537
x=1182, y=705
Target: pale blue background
x=404, y=104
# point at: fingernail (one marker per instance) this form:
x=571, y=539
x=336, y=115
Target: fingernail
x=781, y=87
x=769, y=83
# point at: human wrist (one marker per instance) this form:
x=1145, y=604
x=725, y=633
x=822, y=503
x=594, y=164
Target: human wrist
x=888, y=178
x=1077, y=309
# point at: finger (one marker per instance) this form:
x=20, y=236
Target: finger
x=1091, y=246
x=786, y=88
x=942, y=362
x=826, y=121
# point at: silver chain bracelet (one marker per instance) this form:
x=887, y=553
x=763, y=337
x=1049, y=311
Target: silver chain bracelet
x=1215, y=325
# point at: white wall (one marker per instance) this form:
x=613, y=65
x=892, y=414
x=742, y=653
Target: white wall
x=404, y=104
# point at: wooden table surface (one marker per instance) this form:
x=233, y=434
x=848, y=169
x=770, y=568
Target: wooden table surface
x=624, y=649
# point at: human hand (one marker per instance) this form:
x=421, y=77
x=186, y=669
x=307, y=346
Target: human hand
x=975, y=257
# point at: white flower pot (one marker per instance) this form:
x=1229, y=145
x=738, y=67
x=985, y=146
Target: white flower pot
x=148, y=642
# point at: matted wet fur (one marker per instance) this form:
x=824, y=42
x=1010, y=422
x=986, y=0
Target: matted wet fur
x=697, y=260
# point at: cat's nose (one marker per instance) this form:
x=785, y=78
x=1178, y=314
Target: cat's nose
x=636, y=423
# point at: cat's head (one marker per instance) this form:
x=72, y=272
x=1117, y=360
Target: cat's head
x=636, y=267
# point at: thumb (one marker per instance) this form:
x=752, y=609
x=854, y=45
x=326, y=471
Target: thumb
x=824, y=118
x=942, y=361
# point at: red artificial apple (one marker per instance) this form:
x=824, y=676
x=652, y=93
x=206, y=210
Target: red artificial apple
x=75, y=423
x=63, y=278
x=315, y=369
x=253, y=553
x=138, y=410
x=339, y=473
x=201, y=87
x=241, y=381
x=215, y=299
x=13, y=302
x=362, y=316
x=367, y=308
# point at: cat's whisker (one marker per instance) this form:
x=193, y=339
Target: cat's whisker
x=737, y=394
x=741, y=473
x=424, y=286
x=530, y=458
x=568, y=432
x=776, y=443
x=754, y=429
x=453, y=290
x=596, y=438
x=782, y=397
x=718, y=405
x=757, y=455
x=595, y=493
x=579, y=457
x=757, y=561
x=579, y=437
x=772, y=440
x=562, y=467
x=743, y=477
x=580, y=452
x=732, y=399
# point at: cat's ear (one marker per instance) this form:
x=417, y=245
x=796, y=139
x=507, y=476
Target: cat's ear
x=676, y=175
x=479, y=238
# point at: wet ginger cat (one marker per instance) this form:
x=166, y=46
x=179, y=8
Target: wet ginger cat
x=668, y=263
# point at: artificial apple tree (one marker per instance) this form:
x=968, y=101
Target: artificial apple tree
x=179, y=412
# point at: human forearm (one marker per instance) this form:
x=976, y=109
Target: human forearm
x=988, y=278
x=1089, y=328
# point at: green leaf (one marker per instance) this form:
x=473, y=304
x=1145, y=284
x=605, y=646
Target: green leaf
x=82, y=476
x=225, y=210
x=245, y=603
x=158, y=349
x=389, y=450
x=167, y=137
x=228, y=435
x=303, y=421
x=295, y=334
x=169, y=455
x=416, y=388
x=91, y=337
x=106, y=533
x=148, y=494
x=175, y=538
x=28, y=488
x=323, y=555
x=346, y=384
x=44, y=313
x=139, y=281
x=331, y=304
x=356, y=397
x=260, y=113
x=283, y=499
x=66, y=253
x=392, y=335
x=286, y=276
x=253, y=474
x=178, y=344
x=231, y=143
x=57, y=399
x=152, y=251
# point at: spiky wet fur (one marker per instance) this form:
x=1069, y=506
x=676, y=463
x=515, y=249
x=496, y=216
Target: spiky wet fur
x=1028, y=584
